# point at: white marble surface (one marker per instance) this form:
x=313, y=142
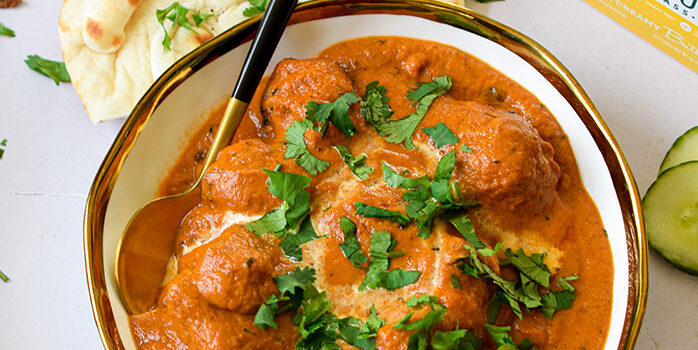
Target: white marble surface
x=53, y=152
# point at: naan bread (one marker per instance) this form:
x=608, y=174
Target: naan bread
x=113, y=48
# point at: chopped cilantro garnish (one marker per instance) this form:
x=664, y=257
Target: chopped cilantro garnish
x=297, y=149
x=393, y=179
x=462, y=223
x=401, y=130
x=52, y=69
x=493, y=307
x=554, y=301
x=375, y=212
x=178, y=15
x=291, y=245
x=6, y=31
x=351, y=247
x=336, y=112
x=284, y=220
x=356, y=164
x=466, y=149
x=3, y=144
x=377, y=275
x=424, y=326
x=500, y=337
x=454, y=340
x=563, y=282
x=531, y=266
x=258, y=6
x=455, y=282
x=441, y=134
x=291, y=287
x=4, y=277
x=374, y=106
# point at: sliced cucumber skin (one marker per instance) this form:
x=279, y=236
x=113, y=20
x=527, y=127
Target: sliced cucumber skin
x=654, y=218
x=684, y=149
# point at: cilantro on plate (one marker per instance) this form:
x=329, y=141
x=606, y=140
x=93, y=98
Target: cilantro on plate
x=52, y=69
x=6, y=31
x=298, y=150
x=441, y=134
x=336, y=112
x=377, y=275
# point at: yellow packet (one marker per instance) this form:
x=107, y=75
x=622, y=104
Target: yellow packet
x=670, y=25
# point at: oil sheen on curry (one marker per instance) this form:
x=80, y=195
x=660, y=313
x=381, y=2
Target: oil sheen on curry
x=389, y=193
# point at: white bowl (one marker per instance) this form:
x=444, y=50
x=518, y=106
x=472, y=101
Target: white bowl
x=179, y=102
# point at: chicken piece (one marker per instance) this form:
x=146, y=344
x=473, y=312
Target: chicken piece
x=235, y=270
x=234, y=181
x=296, y=82
x=510, y=169
x=183, y=319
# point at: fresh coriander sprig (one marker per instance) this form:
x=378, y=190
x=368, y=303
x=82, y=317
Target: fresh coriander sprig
x=377, y=275
x=336, y=112
x=441, y=134
x=6, y=31
x=401, y=130
x=178, y=15
x=53, y=69
x=298, y=150
x=351, y=247
x=374, y=106
x=258, y=6
x=357, y=165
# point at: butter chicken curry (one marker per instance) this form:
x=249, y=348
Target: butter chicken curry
x=390, y=193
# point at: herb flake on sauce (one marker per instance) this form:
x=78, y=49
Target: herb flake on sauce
x=401, y=130
x=357, y=165
x=351, y=246
x=375, y=212
x=336, y=112
x=377, y=276
x=441, y=134
x=374, y=106
x=298, y=150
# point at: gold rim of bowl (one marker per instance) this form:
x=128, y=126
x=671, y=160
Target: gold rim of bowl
x=465, y=19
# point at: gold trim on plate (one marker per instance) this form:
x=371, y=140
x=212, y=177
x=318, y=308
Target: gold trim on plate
x=465, y=19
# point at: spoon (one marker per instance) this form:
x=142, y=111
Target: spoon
x=145, y=247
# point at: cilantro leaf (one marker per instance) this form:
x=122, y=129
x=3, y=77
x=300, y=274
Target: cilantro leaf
x=466, y=149
x=455, y=282
x=4, y=277
x=297, y=149
x=316, y=325
x=493, y=307
x=299, y=278
x=52, y=69
x=264, y=318
x=177, y=14
x=424, y=299
x=393, y=179
x=356, y=164
x=351, y=247
x=291, y=244
x=401, y=130
x=455, y=340
x=273, y=221
x=6, y=31
x=563, y=282
x=336, y=112
x=372, y=324
x=258, y=6
x=531, y=266
x=445, y=167
x=500, y=335
x=375, y=212
x=374, y=106
x=377, y=275
x=554, y=301
x=289, y=285
x=290, y=188
x=441, y=134
x=423, y=327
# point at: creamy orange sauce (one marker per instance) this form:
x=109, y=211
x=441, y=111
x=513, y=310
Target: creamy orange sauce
x=521, y=169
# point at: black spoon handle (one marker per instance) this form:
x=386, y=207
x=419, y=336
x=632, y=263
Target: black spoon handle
x=270, y=30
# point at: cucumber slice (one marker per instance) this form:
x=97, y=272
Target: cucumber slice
x=685, y=148
x=671, y=216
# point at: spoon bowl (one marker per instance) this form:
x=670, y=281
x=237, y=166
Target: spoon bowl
x=145, y=247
